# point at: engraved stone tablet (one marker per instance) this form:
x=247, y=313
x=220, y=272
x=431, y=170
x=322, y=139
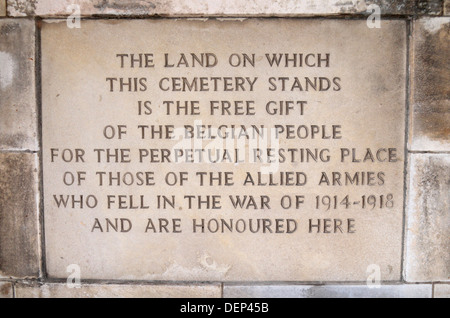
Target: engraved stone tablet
x=254, y=150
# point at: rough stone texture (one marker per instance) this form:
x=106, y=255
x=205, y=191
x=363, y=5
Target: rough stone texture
x=215, y=7
x=441, y=291
x=428, y=7
x=6, y=290
x=2, y=8
x=428, y=221
x=117, y=291
x=430, y=113
x=75, y=93
x=328, y=291
x=447, y=7
x=19, y=235
x=18, y=124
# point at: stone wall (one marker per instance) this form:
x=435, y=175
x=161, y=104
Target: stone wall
x=426, y=243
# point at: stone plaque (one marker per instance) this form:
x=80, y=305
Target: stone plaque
x=234, y=150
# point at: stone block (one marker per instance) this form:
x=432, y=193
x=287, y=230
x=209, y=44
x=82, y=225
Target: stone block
x=447, y=7
x=441, y=291
x=214, y=8
x=430, y=75
x=78, y=103
x=328, y=291
x=2, y=8
x=19, y=213
x=428, y=7
x=6, y=290
x=117, y=291
x=428, y=231
x=18, y=120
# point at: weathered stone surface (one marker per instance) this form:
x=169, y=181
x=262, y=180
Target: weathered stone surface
x=429, y=7
x=6, y=290
x=428, y=230
x=328, y=291
x=19, y=201
x=78, y=104
x=441, y=291
x=213, y=8
x=117, y=291
x=18, y=123
x=2, y=8
x=430, y=71
x=447, y=7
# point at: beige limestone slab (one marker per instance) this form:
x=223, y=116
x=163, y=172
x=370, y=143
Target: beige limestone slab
x=117, y=291
x=427, y=237
x=429, y=7
x=2, y=8
x=6, y=290
x=329, y=291
x=430, y=75
x=441, y=291
x=368, y=104
x=19, y=215
x=18, y=119
x=214, y=7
